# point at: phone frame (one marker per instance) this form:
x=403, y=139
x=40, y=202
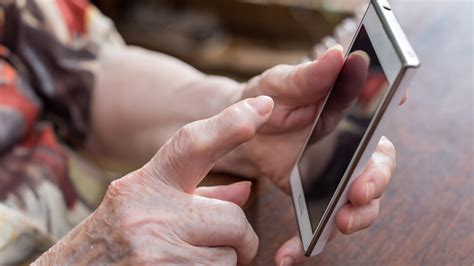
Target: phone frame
x=399, y=62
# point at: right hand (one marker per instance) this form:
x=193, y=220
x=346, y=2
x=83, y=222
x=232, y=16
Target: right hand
x=155, y=215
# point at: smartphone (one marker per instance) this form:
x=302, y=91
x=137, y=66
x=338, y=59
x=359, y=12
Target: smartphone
x=378, y=67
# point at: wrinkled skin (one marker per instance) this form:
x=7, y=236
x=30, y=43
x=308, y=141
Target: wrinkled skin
x=298, y=92
x=155, y=215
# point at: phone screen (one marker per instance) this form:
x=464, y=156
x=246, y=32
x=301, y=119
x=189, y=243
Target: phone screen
x=348, y=111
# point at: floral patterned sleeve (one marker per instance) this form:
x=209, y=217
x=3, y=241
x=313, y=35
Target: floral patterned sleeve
x=49, y=52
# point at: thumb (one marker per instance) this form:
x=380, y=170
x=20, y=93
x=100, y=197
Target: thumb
x=237, y=193
x=188, y=156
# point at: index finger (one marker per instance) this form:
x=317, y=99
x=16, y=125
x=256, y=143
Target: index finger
x=187, y=157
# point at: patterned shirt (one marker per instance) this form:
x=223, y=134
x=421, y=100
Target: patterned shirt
x=49, y=51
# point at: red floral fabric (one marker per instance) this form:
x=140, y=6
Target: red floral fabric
x=49, y=52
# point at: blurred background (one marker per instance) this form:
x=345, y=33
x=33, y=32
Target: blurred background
x=427, y=216
x=237, y=38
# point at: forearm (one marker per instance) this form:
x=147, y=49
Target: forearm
x=142, y=98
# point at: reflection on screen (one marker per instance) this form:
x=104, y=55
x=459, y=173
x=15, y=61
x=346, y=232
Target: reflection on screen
x=341, y=126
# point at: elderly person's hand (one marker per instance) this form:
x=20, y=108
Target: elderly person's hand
x=363, y=207
x=155, y=216
x=298, y=93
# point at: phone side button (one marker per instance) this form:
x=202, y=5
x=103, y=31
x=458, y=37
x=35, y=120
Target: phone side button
x=301, y=204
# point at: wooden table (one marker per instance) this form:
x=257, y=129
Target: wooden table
x=427, y=215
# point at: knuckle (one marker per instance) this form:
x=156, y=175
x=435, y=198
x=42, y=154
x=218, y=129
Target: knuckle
x=254, y=243
x=118, y=199
x=183, y=138
x=239, y=221
x=242, y=126
x=245, y=130
x=117, y=190
x=298, y=78
x=113, y=216
x=268, y=80
x=281, y=69
x=183, y=148
x=190, y=140
x=225, y=256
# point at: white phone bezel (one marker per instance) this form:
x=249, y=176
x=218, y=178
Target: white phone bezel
x=399, y=62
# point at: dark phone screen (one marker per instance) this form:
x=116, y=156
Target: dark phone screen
x=344, y=120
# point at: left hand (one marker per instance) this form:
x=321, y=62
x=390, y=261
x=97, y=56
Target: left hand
x=363, y=207
x=298, y=93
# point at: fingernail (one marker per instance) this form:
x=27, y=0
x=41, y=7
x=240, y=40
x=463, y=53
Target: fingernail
x=337, y=47
x=364, y=56
x=349, y=227
x=262, y=104
x=353, y=223
x=370, y=188
x=248, y=183
x=286, y=261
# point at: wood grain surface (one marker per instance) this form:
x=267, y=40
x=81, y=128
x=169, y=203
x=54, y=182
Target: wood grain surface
x=427, y=215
